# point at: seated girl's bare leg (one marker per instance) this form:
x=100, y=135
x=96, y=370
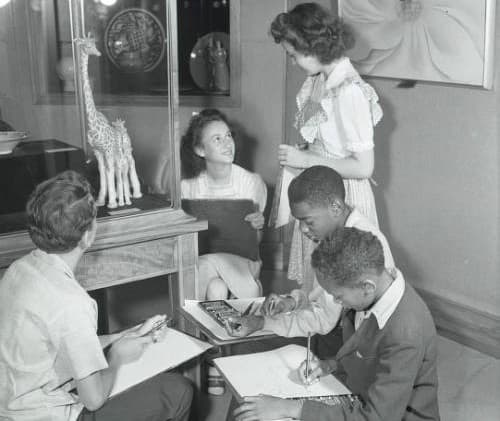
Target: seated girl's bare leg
x=217, y=289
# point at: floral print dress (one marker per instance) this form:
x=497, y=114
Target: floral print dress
x=335, y=116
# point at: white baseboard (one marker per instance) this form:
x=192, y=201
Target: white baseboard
x=464, y=324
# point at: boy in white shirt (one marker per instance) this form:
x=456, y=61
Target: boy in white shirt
x=48, y=326
x=317, y=201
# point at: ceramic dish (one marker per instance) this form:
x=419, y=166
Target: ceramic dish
x=9, y=140
x=5, y=136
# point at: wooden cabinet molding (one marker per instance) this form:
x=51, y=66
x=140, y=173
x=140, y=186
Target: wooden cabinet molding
x=129, y=248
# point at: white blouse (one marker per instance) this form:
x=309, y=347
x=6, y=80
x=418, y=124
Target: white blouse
x=338, y=112
x=242, y=185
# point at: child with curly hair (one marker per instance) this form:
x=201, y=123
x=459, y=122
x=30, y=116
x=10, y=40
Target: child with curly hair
x=336, y=114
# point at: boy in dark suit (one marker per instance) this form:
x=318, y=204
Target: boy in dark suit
x=390, y=344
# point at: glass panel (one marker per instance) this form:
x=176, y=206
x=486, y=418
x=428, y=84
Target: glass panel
x=78, y=103
x=51, y=49
x=204, y=47
x=131, y=37
x=123, y=49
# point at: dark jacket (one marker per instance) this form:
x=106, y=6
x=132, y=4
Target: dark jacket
x=393, y=369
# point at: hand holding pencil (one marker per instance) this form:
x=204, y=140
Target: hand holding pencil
x=245, y=324
x=154, y=327
x=132, y=342
x=275, y=304
x=315, y=369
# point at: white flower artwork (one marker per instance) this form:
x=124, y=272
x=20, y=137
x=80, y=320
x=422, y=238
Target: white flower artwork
x=434, y=40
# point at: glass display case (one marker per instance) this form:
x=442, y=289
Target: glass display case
x=92, y=65
x=209, y=52
x=133, y=61
x=122, y=52
x=76, y=79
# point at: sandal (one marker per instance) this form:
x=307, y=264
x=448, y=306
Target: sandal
x=216, y=385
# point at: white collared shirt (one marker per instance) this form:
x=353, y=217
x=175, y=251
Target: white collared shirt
x=47, y=338
x=387, y=303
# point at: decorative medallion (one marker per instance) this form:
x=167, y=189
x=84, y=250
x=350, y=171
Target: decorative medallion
x=135, y=41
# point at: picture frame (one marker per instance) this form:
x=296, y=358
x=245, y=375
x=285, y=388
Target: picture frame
x=448, y=41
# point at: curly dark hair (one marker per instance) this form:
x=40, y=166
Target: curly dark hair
x=318, y=186
x=313, y=31
x=59, y=211
x=348, y=254
x=192, y=164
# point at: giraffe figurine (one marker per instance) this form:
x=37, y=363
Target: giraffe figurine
x=126, y=174
x=101, y=136
x=122, y=187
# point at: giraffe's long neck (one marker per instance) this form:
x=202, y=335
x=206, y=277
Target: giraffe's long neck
x=87, y=90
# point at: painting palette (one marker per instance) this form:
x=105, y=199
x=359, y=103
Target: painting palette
x=219, y=310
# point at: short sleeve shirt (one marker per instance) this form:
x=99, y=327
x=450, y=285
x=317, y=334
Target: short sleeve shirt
x=243, y=184
x=48, y=338
x=339, y=111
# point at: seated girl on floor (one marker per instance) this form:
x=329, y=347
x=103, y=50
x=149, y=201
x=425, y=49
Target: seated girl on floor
x=208, y=172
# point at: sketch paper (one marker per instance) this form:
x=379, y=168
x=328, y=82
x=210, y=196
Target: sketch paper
x=175, y=349
x=280, y=210
x=275, y=373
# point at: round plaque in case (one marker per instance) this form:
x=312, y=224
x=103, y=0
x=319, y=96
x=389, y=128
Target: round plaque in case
x=135, y=40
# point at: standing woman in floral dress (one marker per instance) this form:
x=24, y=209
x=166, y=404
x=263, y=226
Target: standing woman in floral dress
x=336, y=114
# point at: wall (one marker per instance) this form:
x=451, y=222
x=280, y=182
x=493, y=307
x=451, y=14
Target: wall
x=437, y=165
x=438, y=173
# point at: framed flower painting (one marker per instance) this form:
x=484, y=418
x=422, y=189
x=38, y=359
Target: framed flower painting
x=449, y=41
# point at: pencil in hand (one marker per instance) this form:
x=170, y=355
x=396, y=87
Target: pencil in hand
x=157, y=328
x=308, y=357
x=247, y=310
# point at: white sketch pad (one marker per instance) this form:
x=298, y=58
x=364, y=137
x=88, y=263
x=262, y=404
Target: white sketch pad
x=175, y=349
x=275, y=373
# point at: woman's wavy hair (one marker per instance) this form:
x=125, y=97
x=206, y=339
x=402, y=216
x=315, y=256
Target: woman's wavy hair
x=59, y=211
x=191, y=163
x=313, y=31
